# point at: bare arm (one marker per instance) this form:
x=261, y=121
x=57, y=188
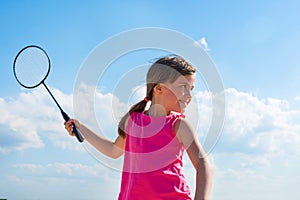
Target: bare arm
x=198, y=158
x=113, y=149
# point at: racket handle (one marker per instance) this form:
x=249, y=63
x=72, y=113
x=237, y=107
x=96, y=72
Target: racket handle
x=75, y=130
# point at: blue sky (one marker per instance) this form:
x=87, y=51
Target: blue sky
x=254, y=44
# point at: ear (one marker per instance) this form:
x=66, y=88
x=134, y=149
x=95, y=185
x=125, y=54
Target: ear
x=157, y=89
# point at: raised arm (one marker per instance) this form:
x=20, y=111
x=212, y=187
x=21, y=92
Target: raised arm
x=204, y=176
x=113, y=149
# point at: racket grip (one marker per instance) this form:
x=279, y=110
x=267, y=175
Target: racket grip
x=75, y=130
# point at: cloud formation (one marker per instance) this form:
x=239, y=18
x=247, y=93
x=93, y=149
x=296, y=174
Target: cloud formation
x=31, y=117
x=202, y=43
x=260, y=137
x=252, y=126
x=260, y=126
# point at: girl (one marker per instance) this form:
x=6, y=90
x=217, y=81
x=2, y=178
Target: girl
x=154, y=140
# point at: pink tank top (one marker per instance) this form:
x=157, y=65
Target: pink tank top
x=153, y=160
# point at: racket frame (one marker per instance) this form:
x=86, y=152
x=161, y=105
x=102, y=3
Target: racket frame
x=16, y=58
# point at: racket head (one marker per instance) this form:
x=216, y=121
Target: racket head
x=31, y=66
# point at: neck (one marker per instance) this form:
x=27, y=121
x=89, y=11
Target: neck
x=157, y=110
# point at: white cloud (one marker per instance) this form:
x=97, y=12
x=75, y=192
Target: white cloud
x=264, y=176
x=101, y=112
x=202, y=43
x=260, y=136
x=29, y=118
x=32, y=117
x=65, y=180
x=18, y=130
x=297, y=98
x=252, y=125
x=64, y=169
x=256, y=125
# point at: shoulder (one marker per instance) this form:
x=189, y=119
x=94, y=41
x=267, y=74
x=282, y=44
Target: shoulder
x=184, y=131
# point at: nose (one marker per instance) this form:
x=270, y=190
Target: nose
x=188, y=92
x=188, y=95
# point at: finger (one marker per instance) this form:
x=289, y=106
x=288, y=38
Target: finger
x=70, y=128
x=70, y=121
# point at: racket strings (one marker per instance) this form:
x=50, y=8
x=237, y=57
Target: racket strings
x=31, y=67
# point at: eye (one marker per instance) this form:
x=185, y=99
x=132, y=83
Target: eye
x=183, y=86
x=186, y=87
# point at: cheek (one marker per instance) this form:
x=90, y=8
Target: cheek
x=176, y=95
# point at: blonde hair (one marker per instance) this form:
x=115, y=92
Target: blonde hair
x=166, y=69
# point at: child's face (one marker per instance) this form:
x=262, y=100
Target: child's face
x=177, y=95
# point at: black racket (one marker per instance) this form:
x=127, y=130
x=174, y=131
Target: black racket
x=31, y=68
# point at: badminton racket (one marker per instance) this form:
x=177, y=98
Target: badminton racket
x=31, y=68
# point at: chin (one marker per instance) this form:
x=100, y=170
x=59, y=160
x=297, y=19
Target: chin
x=180, y=110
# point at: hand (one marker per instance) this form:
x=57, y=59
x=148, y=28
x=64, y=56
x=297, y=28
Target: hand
x=69, y=126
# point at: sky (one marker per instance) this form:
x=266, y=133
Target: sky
x=253, y=44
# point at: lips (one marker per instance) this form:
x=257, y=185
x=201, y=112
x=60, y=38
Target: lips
x=183, y=103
